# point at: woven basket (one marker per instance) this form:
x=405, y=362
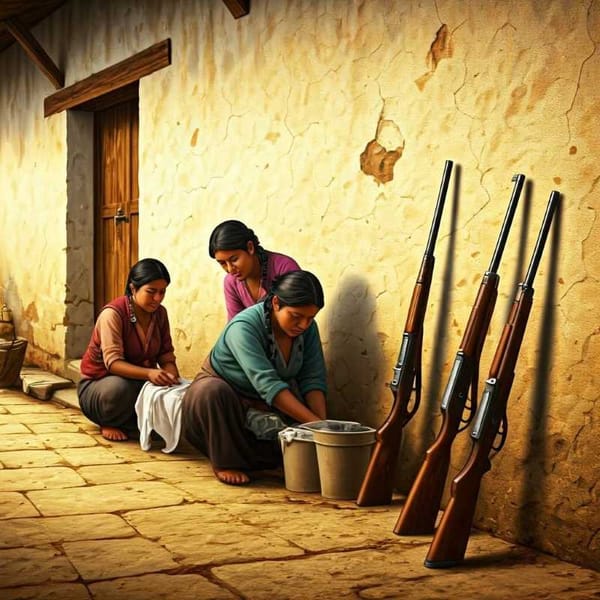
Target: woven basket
x=12, y=354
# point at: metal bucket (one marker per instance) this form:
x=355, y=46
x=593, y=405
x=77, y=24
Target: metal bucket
x=300, y=467
x=343, y=453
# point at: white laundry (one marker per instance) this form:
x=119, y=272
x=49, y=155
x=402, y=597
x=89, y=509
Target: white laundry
x=158, y=408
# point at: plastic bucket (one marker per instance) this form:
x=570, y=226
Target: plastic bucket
x=300, y=467
x=343, y=453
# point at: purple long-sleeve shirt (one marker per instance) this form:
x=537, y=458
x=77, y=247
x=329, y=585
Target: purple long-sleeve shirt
x=237, y=296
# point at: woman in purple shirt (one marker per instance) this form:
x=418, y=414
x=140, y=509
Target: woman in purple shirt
x=250, y=268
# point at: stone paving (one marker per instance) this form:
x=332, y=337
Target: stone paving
x=81, y=518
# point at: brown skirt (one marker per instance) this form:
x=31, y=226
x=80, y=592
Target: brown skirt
x=214, y=421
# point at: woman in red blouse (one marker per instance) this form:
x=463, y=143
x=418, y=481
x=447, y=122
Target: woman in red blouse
x=131, y=344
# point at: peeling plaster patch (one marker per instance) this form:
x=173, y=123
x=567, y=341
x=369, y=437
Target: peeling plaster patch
x=376, y=159
x=441, y=47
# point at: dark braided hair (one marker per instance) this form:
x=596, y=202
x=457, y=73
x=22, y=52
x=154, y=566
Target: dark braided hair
x=145, y=271
x=231, y=235
x=295, y=288
x=235, y=235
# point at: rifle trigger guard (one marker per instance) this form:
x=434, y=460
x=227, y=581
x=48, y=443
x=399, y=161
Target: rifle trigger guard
x=503, y=432
x=471, y=402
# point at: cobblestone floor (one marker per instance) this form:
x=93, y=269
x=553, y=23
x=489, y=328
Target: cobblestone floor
x=81, y=517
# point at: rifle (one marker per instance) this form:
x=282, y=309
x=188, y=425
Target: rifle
x=451, y=537
x=377, y=484
x=421, y=507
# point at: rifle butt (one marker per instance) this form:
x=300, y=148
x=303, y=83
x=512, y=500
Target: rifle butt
x=377, y=486
x=452, y=535
x=420, y=510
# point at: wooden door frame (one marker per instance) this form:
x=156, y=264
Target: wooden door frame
x=127, y=96
x=109, y=80
x=84, y=97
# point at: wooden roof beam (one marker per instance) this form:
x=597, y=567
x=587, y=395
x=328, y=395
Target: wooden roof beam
x=35, y=51
x=238, y=8
x=110, y=79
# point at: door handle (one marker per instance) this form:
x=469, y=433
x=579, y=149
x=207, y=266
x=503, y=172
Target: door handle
x=121, y=216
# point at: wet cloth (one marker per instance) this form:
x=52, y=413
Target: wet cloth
x=158, y=409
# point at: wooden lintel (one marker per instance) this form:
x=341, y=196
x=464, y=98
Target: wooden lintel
x=35, y=51
x=238, y=8
x=116, y=76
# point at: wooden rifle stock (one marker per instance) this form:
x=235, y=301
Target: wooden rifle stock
x=451, y=537
x=377, y=485
x=423, y=502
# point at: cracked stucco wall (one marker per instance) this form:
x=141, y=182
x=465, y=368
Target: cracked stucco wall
x=325, y=126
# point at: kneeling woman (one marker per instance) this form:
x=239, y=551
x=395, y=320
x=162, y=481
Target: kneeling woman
x=131, y=344
x=268, y=357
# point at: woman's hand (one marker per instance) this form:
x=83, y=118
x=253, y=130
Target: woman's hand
x=166, y=375
x=162, y=377
x=288, y=404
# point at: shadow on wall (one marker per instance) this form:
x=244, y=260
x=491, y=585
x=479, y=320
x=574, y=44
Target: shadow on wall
x=354, y=355
x=534, y=478
x=420, y=435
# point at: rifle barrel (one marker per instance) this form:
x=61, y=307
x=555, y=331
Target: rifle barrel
x=519, y=179
x=435, y=226
x=450, y=540
x=541, y=240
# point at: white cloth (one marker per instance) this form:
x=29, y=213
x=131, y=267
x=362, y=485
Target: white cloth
x=158, y=408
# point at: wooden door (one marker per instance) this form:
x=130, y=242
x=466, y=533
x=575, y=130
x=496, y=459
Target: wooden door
x=116, y=199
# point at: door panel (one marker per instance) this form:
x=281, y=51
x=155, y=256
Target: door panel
x=116, y=199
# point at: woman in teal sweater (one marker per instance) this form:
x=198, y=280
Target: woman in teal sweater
x=268, y=357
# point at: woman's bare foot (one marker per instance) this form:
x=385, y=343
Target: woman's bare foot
x=113, y=434
x=231, y=477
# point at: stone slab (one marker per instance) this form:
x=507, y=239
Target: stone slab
x=392, y=572
x=196, y=534
x=21, y=441
x=14, y=505
x=106, y=498
x=73, y=370
x=30, y=408
x=177, y=471
x=56, y=591
x=42, y=384
x=8, y=428
x=39, y=479
x=316, y=527
x=30, y=458
x=107, y=559
x=99, y=474
x=163, y=587
x=53, y=427
x=66, y=397
x=95, y=455
x=67, y=440
x=56, y=530
x=47, y=417
x=26, y=566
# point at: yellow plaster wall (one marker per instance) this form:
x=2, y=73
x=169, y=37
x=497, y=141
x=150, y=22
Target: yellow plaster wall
x=265, y=119
x=32, y=209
